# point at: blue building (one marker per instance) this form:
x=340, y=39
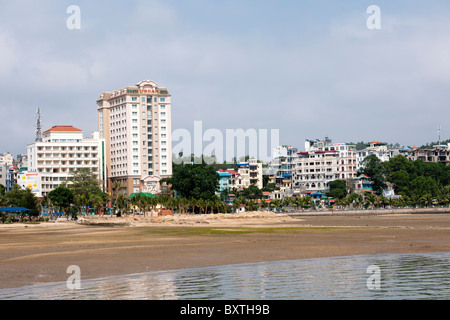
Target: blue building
x=224, y=180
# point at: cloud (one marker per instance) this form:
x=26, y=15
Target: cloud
x=310, y=71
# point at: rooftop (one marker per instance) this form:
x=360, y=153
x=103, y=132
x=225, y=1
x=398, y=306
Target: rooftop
x=63, y=129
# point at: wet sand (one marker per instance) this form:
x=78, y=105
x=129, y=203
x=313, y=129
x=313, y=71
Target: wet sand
x=41, y=253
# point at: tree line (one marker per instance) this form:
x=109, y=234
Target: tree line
x=417, y=183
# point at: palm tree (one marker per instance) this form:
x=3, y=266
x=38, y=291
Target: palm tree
x=153, y=202
x=162, y=201
x=216, y=203
x=145, y=203
x=370, y=200
x=426, y=200
x=184, y=203
x=117, y=185
x=264, y=204
x=236, y=204
x=193, y=203
x=384, y=201
x=276, y=203
x=98, y=202
x=134, y=202
x=201, y=204
x=121, y=203
x=307, y=202
x=286, y=202
x=377, y=202
x=297, y=201
x=252, y=205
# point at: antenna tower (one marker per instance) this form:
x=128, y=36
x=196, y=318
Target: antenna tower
x=38, y=126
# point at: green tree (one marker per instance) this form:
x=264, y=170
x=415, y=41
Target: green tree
x=121, y=204
x=373, y=167
x=85, y=188
x=197, y=181
x=252, y=192
x=18, y=197
x=61, y=197
x=338, y=189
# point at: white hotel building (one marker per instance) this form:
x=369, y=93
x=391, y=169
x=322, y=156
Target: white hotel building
x=323, y=162
x=135, y=122
x=63, y=151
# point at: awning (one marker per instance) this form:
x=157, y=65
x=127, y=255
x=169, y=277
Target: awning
x=14, y=209
x=146, y=194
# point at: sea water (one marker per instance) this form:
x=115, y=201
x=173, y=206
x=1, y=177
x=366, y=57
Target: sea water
x=362, y=277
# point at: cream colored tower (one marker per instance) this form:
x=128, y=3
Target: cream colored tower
x=135, y=122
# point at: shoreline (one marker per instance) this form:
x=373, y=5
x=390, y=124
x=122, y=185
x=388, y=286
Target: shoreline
x=38, y=253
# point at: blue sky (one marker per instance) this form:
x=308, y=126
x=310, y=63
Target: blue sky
x=308, y=68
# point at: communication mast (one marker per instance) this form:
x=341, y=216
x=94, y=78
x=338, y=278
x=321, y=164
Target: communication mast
x=439, y=132
x=38, y=126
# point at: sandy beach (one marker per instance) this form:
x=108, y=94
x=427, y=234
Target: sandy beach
x=34, y=253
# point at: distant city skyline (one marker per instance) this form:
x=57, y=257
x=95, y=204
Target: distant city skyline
x=311, y=69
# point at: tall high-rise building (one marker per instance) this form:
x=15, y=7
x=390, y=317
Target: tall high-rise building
x=135, y=122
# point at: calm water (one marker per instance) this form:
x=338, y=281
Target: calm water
x=402, y=276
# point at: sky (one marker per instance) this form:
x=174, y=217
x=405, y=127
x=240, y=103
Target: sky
x=310, y=69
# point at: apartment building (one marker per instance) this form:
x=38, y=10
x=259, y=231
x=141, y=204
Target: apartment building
x=7, y=158
x=438, y=154
x=135, y=122
x=281, y=167
x=62, y=151
x=250, y=173
x=377, y=148
x=229, y=179
x=3, y=170
x=321, y=163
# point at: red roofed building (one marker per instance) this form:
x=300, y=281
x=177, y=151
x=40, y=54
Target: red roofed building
x=62, y=151
x=63, y=129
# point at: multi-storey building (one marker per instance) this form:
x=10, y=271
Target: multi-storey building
x=62, y=151
x=280, y=169
x=438, y=154
x=377, y=148
x=3, y=170
x=229, y=179
x=7, y=158
x=250, y=173
x=135, y=122
x=323, y=162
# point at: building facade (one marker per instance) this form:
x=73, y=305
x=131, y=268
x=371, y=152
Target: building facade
x=377, y=148
x=250, y=173
x=63, y=151
x=322, y=162
x=438, y=154
x=135, y=122
x=7, y=158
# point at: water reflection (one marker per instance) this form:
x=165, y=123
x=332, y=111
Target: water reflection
x=403, y=276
